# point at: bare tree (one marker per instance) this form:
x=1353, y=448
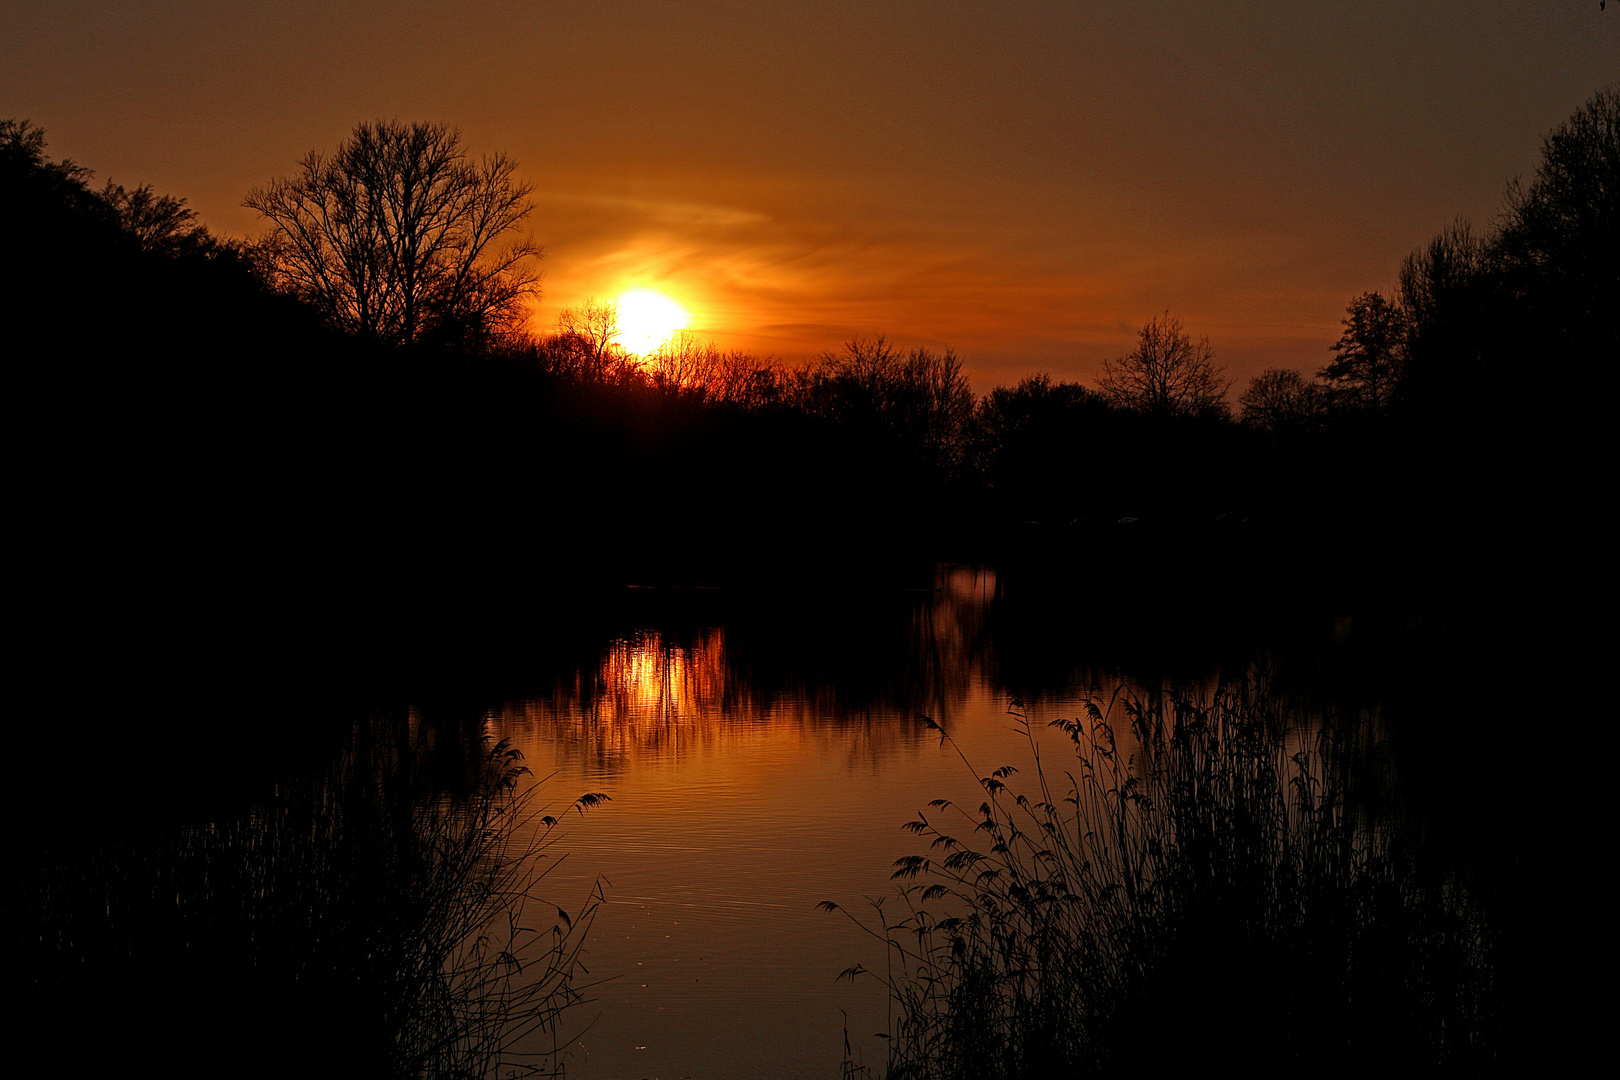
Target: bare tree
x=1440, y=281
x=392, y=236
x=586, y=346
x=1282, y=399
x=1168, y=373
x=687, y=364
x=158, y=223
x=921, y=398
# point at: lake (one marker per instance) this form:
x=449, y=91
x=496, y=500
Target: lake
x=759, y=748
x=761, y=757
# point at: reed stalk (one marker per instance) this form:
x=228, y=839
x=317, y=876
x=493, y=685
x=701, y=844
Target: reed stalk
x=1191, y=892
x=356, y=922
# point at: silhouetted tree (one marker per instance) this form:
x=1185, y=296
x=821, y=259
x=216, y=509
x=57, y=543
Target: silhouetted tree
x=162, y=224
x=687, y=364
x=23, y=161
x=586, y=348
x=1371, y=355
x=1444, y=292
x=392, y=236
x=1282, y=400
x=1435, y=278
x=1034, y=446
x=1008, y=415
x=61, y=207
x=1168, y=374
x=53, y=218
x=920, y=398
x=1560, y=234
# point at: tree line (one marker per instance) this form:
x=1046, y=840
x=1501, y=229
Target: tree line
x=393, y=278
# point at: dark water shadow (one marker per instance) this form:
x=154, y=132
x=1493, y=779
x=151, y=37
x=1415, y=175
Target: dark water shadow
x=360, y=919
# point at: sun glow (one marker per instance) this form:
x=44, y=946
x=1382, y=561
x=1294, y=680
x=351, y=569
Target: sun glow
x=647, y=319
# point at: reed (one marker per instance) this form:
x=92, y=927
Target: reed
x=359, y=921
x=1199, y=889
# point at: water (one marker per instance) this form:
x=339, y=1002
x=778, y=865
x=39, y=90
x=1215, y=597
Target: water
x=753, y=775
x=760, y=751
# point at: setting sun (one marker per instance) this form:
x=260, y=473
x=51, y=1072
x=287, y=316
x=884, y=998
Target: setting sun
x=647, y=319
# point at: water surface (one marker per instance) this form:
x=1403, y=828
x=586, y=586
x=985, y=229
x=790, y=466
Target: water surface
x=757, y=766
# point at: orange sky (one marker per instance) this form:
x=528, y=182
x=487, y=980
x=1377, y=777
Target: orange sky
x=1027, y=182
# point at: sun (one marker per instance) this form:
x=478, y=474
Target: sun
x=647, y=319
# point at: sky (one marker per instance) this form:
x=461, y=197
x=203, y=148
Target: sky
x=1027, y=183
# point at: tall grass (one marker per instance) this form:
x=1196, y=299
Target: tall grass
x=359, y=921
x=1198, y=887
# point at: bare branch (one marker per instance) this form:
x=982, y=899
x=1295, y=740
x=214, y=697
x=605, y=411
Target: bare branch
x=1168, y=373
x=393, y=236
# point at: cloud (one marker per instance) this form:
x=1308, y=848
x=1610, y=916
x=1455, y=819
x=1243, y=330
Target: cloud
x=793, y=265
